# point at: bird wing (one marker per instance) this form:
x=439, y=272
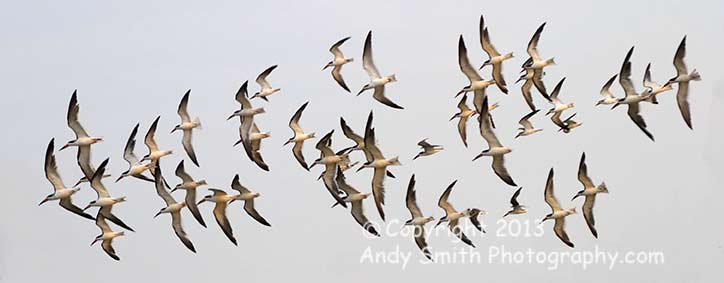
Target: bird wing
x=297, y=151
x=193, y=207
x=343, y=185
x=548, y=195
x=329, y=177
x=107, y=213
x=379, y=95
x=179, y=230
x=498, y=77
x=683, y=101
x=424, y=144
x=633, y=113
x=359, y=216
x=337, y=75
x=557, y=91
x=533, y=43
x=647, y=79
x=183, y=108
x=464, y=62
x=96, y=183
x=245, y=132
x=67, y=203
x=255, y=146
x=261, y=79
x=486, y=130
x=241, y=96
x=378, y=190
x=84, y=161
x=421, y=242
x=411, y=199
x=349, y=133
x=485, y=42
x=150, y=140
x=367, y=63
x=624, y=76
x=335, y=48
x=463, y=104
x=556, y=118
x=72, y=117
x=323, y=145
x=101, y=223
x=588, y=213
x=679, y=58
x=371, y=145
x=51, y=169
x=462, y=130
x=161, y=186
x=500, y=170
x=236, y=185
x=181, y=173
x=514, y=198
x=583, y=173
x=443, y=202
x=294, y=122
x=559, y=228
x=128, y=154
x=474, y=213
x=538, y=83
x=249, y=208
x=525, y=90
x=189, y=147
x=525, y=122
x=223, y=221
x=606, y=89
x=108, y=248
x=455, y=229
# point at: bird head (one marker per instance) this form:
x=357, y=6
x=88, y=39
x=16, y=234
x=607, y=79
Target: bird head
x=66, y=145
x=159, y=213
x=236, y=113
x=327, y=66
x=92, y=203
x=46, y=199
x=123, y=175
x=487, y=62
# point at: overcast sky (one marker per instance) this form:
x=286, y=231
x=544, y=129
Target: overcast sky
x=133, y=61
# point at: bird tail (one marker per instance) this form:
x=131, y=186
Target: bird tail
x=201, y=182
x=197, y=121
x=602, y=188
x=695, y=75
x=393, y=78
x=551, y=61
x=395, y=161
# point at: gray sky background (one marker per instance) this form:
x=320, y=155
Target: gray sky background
x=132, y=61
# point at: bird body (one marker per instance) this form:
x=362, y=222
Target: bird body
x=173, y=208
x=190, y=185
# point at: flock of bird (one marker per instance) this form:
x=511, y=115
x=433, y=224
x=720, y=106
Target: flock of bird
x=336, y=163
